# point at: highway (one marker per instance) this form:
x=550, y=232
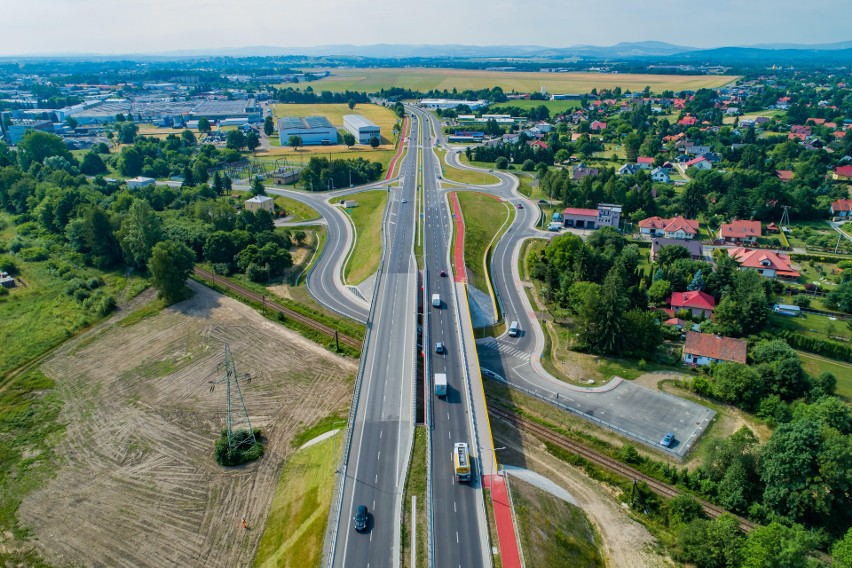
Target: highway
x=382, y=429
x=457, y=529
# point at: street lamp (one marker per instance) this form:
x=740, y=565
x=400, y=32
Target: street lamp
x=494, y=458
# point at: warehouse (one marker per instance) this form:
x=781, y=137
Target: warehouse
x=361, y=128
x=313, y=130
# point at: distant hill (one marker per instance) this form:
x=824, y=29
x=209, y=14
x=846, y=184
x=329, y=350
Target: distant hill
x=741, y=55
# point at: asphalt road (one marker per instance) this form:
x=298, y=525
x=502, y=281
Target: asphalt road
x=382, y=429
x=456, y=532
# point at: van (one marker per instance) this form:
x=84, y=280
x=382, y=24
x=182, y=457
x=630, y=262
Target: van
x=436, y=300
x=514, y=329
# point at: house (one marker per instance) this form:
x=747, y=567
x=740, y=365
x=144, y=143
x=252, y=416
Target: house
x=765, y=262
x=785, y=175
x=688, y=120
x=140, y=182
x=696, y=250
x=674, y=228
x=629, y=169
x=799, y=129
x=597, y=126
x=841, y=208
x=787, y=310
x=580, y=171
x=712, y=157
x=661, y=175
x=678, y=323
x=740, y=231
x=700, y=304
x=645, y=162
x=696, y=149
x=700, y=163
x=842, y=173
x=704, y=348
x=538, y=145
x=259, y=202
x=606, y=215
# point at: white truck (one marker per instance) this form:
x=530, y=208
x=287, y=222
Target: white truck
x=436, y=300
x=441, y=384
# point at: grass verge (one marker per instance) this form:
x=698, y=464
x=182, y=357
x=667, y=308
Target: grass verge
x=483, y=218
x=470, y=177
x=296, y=210
x=295, y=527
x=492, y=528
x=325, y=424
x=367, y=252
x=415, y=485
x=552, y=531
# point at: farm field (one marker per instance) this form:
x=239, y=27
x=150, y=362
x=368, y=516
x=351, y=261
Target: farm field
x=422, y=79
x=383, y=117
x=135, y=474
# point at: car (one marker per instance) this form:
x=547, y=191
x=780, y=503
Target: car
x=360, y=518
x=405, y=201
x=667, y=440
x=443, y=274
x=520, y=205
x=439, y=347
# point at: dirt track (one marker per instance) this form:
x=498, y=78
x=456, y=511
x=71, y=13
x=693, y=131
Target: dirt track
x=138, y=485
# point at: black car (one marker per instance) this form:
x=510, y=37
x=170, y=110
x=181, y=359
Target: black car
x=360, y=518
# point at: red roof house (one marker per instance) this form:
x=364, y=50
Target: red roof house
x=740, y=231
x=697, y=302
x=645, y=162
x=675, y=228
x=842, y=173
x=688, y=121
x=785, y=175
x=700, y=162
x=704, y=348
x=842, y=208
x=597, y=126
x=765, y=262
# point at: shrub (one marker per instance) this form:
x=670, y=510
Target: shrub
x=7, y=264
x=34, y=254
x=244, y=449
x=802, y=300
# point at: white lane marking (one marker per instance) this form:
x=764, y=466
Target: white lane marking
x=379, y=456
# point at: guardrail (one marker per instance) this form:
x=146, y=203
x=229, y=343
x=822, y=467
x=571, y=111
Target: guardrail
x=330, y=541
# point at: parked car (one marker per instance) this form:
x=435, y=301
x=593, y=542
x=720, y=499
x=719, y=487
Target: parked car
x=360, y=518
x=667, y=440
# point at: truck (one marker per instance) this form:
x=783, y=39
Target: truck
x=514, y=328
x=441, y=384
x=436, y=300
x=461, y=461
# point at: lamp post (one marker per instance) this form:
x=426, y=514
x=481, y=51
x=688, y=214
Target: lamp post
x=494, y=458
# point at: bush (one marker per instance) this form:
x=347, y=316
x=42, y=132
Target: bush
x=802, y=300
x=7, y=264
x=244, y=449
x=34, y=254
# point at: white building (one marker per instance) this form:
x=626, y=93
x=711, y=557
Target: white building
x=259, y=202
x=361, y=128
x=139, y=182
x=661, y=175
x=313, y=130
x=445, y=104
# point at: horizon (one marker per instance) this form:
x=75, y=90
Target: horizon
x=152, y=27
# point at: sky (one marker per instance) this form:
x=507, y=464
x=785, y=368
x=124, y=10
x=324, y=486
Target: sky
x=151, y=26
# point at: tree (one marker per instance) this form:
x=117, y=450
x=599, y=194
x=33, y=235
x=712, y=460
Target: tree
x=268, y=126
x=295, y=142
x=697, y=282
x=257, y=187
x=351, y=104
x=300, y=237
x=659, y=292
x=642, y=334
x=92, y=164
x=528, y=166
x=684, y=509
x=130, y=161
x=252, y=141
x=140, y=231
x=841, y=297
x=501, y=163
x=170, y=264
x=670, y=253
x=235, y=140
x=348, y=139
x=36, y=145
x=203, y=125
x=738, y=384
x=218, y=185
x=712, y=544
x=841, y=552
x=374, y=142
x=777, y=546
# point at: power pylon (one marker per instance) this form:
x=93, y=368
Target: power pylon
x=785, y=217
x=236, y=418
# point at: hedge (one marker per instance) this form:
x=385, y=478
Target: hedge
x=822, y=347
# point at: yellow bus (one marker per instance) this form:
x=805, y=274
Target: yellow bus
x=461, y=461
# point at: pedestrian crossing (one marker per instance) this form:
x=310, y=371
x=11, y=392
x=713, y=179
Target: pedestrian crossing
x=504, y=348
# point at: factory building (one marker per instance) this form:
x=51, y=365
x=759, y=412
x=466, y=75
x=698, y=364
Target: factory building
x=361, y=128
x=313, y=130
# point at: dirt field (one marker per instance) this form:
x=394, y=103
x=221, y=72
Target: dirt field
x=138, y=485
x=626, y=543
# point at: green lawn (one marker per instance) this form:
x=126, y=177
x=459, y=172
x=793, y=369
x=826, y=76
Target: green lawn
x=470, y=177
x=367, y=218
x=552, y=531
x=296, y=210
x=295, y=528
x=810, y=324
x=301, y=157
x=415, y=484
x=483, y=216
x=814, y=365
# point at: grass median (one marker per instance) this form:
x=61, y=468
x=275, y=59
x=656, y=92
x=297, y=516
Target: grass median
x=296, y=210
x=470, y=177
x=367, y=217
x=484, y=216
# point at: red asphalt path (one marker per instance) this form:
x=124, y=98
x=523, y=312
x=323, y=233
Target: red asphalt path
x=458, y=249
x=509, y=553
x=402, y=137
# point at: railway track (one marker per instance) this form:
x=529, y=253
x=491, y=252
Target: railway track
x=604, y=461
x=289, y=313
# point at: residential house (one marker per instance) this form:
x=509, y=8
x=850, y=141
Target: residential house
x=139, y=182
x=843, y=173
x=675, y=228
x=580, y=171
x=842, y=208
x=740, y=231
x=696, y=149
x=538, y=145
x=785, y=175
x=696, y=250
x=765, y=262
x=629, y=169
x=597, y=126
x=688, y=120
x=645, y=162
x=700, y=304
x=661, y=175
x=704, y=348
x=606, y=215
x=259, y=202
x=700, y=163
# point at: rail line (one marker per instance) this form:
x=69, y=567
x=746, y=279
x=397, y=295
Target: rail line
x=606, y=462
x=292, y=314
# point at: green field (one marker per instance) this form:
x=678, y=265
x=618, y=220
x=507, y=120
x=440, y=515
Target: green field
x=483, y=216
x=424, y=79
x=295, y=527
x=555, y=107
x=383, y=117
x=552, y=531
x=367, y=218
x=300, y=157
x=814, y=365
x=470, y=177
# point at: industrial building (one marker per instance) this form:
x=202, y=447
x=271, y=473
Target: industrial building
x=361, y=128
x=313, y=130
x=444, y=104
x=15, y=131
